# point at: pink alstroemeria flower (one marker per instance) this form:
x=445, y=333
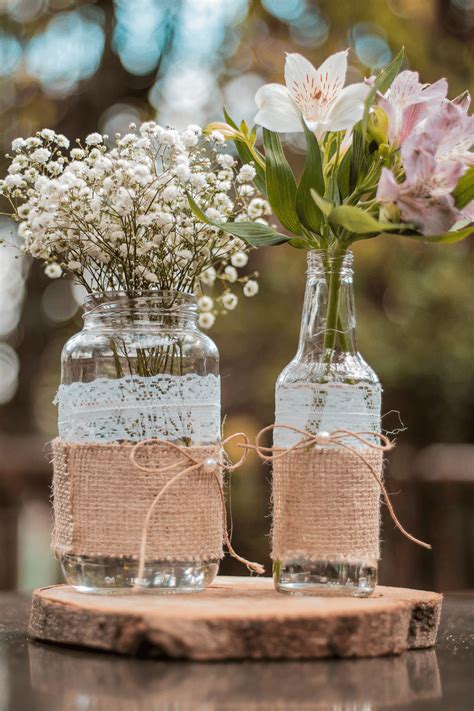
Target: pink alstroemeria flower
x=433, y=160
x=408, y=102
x=318, y=95
x=454, y=130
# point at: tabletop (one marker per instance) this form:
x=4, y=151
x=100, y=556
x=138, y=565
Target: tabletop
x=43, y=677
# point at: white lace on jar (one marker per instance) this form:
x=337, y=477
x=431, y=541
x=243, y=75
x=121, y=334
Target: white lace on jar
x=133, y=408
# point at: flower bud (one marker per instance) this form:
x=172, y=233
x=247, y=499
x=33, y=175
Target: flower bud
x=224, y=128
x=378, y=125
x=389, y=212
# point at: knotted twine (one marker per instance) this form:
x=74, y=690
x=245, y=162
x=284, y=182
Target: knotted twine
x=106, y=501
x=326, y=495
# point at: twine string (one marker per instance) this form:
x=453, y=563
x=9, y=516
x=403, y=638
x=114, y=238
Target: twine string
x=337, y=437
x=194, y=466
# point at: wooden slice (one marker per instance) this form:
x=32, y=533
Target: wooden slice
x=238, y=618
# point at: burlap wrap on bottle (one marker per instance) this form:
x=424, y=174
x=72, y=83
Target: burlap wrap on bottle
x=100, y=501
x=326, y=505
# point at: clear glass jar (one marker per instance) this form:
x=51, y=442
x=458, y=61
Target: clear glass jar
x=152, y=340
x=327, y=386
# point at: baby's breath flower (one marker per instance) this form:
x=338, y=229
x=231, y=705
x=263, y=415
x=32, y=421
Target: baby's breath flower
x=226, y=160
x=53, y=271
x=15, y=180
x=62, y=141
x=94, y=139
x=48, y=134
x=251, y=288
x=257, y=208
x=18, y=144
x=206, y=319
x=239, y=259
x=205, y=303
x=217, y=136
x=229, y=301
x=151, y=277
x=231, y=274
x=208, y=276
x=246, y=173
x=190, y=138
x=119, y=218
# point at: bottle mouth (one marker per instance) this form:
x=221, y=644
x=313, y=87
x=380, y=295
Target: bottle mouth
x=115, y=302
x=321, y=261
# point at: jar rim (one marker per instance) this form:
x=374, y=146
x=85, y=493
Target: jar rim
x=168, y=299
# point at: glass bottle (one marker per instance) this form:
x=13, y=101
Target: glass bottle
x=148, y=344
x=325, y=387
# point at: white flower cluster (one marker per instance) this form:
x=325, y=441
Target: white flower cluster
x=120, y=218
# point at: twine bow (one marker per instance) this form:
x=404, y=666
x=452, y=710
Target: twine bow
x=209, y=466
x=269, y=454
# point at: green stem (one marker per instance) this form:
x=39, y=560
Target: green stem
x=118, y=366
x=333, y=322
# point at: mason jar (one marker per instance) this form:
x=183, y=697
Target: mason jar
x=140, y=369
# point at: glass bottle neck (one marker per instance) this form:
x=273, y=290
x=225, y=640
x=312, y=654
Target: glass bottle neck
x=164, y=309
x=328, y=321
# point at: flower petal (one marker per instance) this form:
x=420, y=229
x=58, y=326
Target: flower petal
x=348, y=107
x=405, y=89
x=435, y=92
x=463, y=100
x=446, y=177
x=332, y=75
x=455, y=130
x=302, y=83
x=431, y=216
x=276, y=110
x=388, y=189
x=418, y=161
x=410, y=102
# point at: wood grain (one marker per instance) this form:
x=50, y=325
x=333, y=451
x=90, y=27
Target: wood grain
x=238, y=618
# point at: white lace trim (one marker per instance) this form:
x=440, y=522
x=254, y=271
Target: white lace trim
x=133, y=408
x=326, y=407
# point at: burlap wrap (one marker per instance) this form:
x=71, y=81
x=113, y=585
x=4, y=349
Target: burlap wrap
x=326, y=505
x=101, y=499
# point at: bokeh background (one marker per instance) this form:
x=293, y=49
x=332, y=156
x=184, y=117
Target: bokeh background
x=78, y=67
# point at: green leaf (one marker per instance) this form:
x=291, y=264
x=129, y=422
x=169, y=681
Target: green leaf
x=464, y=191
x=324, y=205
x=445, y=238
x=255, y=233
x=382, y=82
x=312, y=177
x=357, y=221
x=343, y=174
x=281, y=183
x=229, y=120
x=360, y=159
x=298, y=243
x=244, y=129
x=332, y=190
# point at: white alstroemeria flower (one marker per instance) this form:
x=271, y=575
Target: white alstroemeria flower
x=318, y=95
